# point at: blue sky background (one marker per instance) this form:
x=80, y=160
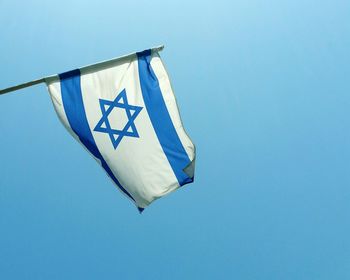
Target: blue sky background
x=264, y=92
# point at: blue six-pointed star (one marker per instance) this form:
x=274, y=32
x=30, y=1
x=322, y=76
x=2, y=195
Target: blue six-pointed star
x=107, y=106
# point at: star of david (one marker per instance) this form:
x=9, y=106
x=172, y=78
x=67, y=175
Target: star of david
x=104, y=124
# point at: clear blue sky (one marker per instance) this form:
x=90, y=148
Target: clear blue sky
x=264, y=92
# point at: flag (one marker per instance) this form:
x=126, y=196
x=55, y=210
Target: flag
x=125, y=114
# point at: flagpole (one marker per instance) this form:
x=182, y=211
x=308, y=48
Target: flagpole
x=24, y=85
x=84, y=68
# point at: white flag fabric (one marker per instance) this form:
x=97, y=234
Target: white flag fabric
x=125, y=114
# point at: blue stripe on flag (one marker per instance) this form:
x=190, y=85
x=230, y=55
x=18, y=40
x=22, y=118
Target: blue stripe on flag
x=75, y=111
x=160, y=118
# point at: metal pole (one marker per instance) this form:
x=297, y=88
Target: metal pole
x=84, y=68
x=24, y=85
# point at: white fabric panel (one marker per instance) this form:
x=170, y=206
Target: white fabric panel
x=138, y=163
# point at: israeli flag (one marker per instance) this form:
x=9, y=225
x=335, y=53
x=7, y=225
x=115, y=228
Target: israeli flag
x=125, y=114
